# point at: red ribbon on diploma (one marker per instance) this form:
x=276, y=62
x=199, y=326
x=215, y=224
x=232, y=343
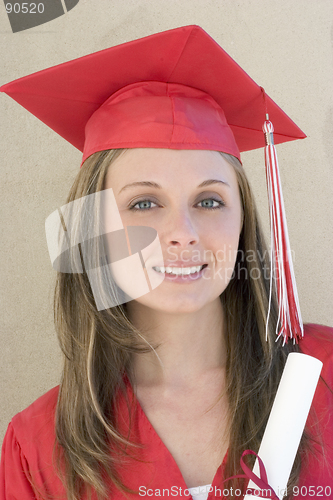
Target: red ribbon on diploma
x=265, y=490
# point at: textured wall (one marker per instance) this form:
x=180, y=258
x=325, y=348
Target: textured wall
x=285, y=45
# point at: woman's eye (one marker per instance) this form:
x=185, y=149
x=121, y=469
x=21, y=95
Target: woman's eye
x=211, y=203
x=142, y=205
x=208, y=203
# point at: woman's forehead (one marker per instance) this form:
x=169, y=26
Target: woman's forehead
x=169, y=164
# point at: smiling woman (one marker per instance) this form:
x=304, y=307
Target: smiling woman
x=164, y=390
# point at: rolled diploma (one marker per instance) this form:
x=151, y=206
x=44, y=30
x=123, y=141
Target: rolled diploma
x=287, y=421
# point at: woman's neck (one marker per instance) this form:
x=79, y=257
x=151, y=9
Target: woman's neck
x=189, y=346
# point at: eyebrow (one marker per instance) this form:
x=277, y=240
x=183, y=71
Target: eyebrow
x=152, y=184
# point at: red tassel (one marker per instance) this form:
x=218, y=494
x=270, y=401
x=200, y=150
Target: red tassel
x=282, y=271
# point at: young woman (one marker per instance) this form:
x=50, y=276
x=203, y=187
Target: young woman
x=162, y=392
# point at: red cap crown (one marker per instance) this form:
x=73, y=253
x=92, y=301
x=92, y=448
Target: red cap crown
x=159, y=115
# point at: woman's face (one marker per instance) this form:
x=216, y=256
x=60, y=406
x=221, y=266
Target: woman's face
x=191, y=198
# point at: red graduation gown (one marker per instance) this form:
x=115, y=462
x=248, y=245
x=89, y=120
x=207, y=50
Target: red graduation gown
x=28, y=446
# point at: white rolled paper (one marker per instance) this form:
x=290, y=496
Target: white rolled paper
x=287, y=421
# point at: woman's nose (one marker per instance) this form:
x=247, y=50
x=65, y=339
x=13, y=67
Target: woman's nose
x=181, y=230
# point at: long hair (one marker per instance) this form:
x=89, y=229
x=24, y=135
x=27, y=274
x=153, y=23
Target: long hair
x=97, y=348
x=254, y=363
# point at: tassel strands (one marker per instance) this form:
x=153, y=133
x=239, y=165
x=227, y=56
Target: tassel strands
x=290, y=325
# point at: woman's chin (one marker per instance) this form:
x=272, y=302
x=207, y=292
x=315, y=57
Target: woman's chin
x=176, y=303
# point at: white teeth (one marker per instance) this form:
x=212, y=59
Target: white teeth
x=178, y=270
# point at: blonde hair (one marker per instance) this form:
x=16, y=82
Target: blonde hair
x=97, y=347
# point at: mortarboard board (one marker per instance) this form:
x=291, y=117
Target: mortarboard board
x=177, y=89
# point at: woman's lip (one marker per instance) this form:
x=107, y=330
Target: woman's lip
x=180, y=264
x=182, y=278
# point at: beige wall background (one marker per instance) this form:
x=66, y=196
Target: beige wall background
x=285, y=46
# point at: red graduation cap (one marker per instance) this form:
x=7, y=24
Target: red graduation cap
x=66, y=96
x=177, y=89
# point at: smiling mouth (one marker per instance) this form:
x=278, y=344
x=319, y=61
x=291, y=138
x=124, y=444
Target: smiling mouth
x=180, y=271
